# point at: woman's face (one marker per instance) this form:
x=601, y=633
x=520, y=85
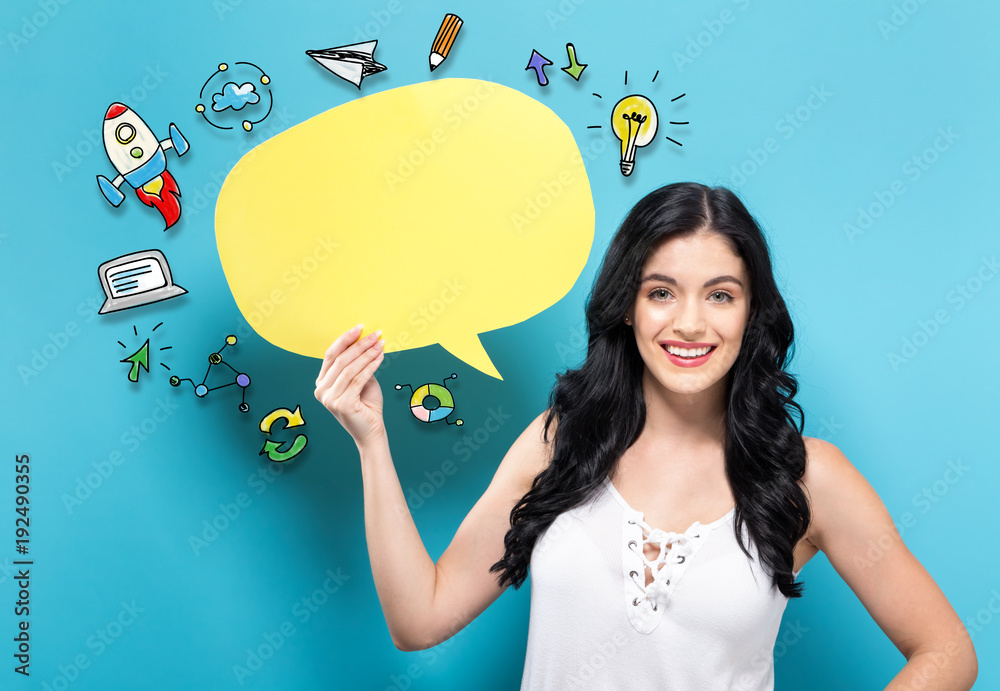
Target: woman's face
x=694, y=293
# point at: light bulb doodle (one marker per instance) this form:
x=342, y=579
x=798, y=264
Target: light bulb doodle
x=232, y=92
x=634, y=121
x=432, y=402
x=201, y=390
x=272, y=449
x=140, y=358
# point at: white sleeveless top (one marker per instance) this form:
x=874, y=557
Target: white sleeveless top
x=708, y=621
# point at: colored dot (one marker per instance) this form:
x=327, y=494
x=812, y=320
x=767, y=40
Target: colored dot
x=459, y=422
x=230, y=340
x=243, y=380
x=136, y=152
x=175, y=381
x=244, y=407
x=214, y=359
x=199, y=108
x=264, y=79
x=247, y=125
x=223, y=67
x=201, y=391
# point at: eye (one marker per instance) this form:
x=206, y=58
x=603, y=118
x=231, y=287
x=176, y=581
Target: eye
x=124, y=133
x=727, y=297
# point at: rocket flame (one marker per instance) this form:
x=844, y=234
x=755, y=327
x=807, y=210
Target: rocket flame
x=162, y=193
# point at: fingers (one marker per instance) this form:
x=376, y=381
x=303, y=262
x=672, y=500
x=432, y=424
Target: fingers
x=342, y=343
x=349, y=374
x=359, y=381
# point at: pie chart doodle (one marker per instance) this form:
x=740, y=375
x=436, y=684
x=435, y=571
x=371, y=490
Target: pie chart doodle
x=432, y=402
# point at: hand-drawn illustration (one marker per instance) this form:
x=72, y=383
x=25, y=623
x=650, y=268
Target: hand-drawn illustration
x=513, y=166
x=136, y=279
x=201, y=390
x=351, y=63
x=139, y=159
x=272, y=449
x=140, y=358
x=574, y=69
x=432, y=402
x=233, y=90
x=444, y=40
x=634, y=121
x=538, y=63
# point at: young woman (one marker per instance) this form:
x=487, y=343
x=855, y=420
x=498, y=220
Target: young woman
x=668, y=514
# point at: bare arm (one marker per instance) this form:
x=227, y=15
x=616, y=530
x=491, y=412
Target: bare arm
x=902, y=598
x=426, y=603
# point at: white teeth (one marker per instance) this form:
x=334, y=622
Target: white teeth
x=685, y=352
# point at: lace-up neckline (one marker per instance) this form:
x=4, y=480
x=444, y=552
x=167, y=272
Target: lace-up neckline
x=674, y=553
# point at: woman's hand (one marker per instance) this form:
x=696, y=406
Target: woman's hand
x=347, y=387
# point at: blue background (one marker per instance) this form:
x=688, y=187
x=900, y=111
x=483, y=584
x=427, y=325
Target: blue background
x=855, y=297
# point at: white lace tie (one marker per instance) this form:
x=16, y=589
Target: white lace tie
x=661, y=567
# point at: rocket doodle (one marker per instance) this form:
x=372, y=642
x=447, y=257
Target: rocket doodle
x=140, y=161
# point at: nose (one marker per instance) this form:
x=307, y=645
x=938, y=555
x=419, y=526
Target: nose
x=689, y=320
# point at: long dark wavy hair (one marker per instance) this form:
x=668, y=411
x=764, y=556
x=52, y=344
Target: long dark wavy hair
x=600, y=409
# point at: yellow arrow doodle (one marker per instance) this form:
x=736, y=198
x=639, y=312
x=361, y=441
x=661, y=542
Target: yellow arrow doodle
x=294, y=419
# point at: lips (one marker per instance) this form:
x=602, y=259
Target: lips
x=688, y=362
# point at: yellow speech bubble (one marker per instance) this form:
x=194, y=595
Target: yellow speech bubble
x=434, y=212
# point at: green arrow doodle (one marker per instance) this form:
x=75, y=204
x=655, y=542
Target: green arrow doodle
x=272, y=449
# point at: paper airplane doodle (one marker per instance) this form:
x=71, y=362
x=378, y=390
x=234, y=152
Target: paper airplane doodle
x=352, y=63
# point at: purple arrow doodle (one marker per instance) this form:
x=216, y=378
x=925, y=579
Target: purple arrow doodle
x=538, y=63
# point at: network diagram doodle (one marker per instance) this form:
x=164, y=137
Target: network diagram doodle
x=140, y=358
x=201, y=390
x=432, y=402
x=231, y=91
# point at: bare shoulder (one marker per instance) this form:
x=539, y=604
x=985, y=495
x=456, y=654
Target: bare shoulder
x=837, y=492
x=855, y=531
x=532, y=451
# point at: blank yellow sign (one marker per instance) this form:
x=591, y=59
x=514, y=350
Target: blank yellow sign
x=434, y=212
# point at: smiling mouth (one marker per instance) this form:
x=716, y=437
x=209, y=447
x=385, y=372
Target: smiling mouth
x=688, y=353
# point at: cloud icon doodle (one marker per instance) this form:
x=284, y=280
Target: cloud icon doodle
x=235, y=96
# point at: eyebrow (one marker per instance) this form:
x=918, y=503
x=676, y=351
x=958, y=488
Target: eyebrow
x=711, y=282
